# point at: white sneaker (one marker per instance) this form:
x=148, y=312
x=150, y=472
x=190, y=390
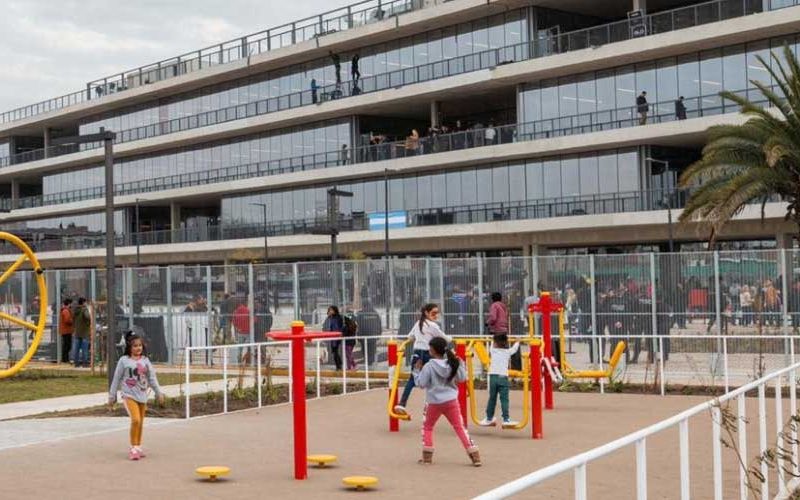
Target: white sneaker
x=486, y=422
x=400, y=410
x=507, y=422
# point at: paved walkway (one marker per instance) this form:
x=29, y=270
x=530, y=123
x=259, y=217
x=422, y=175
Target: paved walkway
x=257, y=445
x=17, y=433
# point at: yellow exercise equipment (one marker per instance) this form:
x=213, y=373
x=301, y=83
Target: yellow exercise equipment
x=322, y=460
x=394, y=380
x=567, y=370
x=38, y=328
x=360, y=483
x=212, y=472
x=477, y=347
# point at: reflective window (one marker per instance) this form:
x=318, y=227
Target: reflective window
x=499, y=30
x=591, y=174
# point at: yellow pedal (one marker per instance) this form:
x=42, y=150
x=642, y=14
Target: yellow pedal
x=360, y=483
x=321, y=460
x=212, y=472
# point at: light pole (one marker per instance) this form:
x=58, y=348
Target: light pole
x=266, y=245
x=138, y=232
x=107, y=137
x=668, y=199
x=386, y=173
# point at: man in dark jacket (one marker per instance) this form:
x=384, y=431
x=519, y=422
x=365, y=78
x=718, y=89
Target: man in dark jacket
x=83, y=331
x=680, y=109
x=642, y=107
x=369, y=325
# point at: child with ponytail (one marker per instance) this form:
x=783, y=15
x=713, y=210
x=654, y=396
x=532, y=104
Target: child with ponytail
x=439, y=377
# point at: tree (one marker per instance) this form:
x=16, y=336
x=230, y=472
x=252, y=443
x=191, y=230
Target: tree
x=752, y=162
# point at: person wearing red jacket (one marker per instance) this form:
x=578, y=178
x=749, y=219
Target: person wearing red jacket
x=241, y=325
x=498, y=315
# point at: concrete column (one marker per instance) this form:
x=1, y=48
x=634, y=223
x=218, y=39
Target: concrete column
x=174, y=220
x=46, y=135
x=436, y=107
x=639, y=5
x=14, y=193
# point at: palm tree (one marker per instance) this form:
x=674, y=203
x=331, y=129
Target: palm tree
x=752, y=162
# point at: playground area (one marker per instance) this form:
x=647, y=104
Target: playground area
x=257, y=444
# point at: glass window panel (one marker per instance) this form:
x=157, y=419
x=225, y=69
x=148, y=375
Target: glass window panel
x=710, y=79
x=570, y=180
x=628, y=166
x=516, y=182
x=552, y=178
x=607, y=171
x=589, y=176
x=500, y=184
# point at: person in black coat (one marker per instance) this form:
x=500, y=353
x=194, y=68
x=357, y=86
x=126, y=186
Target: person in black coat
x=680, y=109
x=369, y=325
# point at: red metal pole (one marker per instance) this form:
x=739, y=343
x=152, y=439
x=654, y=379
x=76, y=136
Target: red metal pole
x=394, y=424
x=546, y=310
x=461, y=352
x=536, y=393
x=299, y=402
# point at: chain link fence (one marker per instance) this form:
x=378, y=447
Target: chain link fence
x=672, y=307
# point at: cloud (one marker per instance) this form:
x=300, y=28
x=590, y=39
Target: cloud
x=48, y=52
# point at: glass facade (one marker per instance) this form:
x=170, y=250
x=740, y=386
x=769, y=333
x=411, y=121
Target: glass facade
x=696, y=75
x=598, y=173
x=323, y=137
x=437, y=45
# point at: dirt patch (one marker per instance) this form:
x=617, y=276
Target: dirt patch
x=213, y=402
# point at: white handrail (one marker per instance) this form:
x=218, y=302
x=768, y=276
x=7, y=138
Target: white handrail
x=639, y=436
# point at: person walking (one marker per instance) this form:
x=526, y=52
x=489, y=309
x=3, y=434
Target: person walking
x=680, y=109
x=642, y=107
x=334, y=322
x=354, y=72
x=66, y=328
x=439, y=377
x=133, y=377
x=80, y=342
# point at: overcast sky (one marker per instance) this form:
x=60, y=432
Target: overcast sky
x=49, y=48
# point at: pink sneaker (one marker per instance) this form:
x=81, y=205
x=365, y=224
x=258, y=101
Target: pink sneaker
x=133, y=454
x=140, y=451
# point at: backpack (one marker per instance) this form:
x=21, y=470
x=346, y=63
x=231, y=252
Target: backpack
x=350, y=326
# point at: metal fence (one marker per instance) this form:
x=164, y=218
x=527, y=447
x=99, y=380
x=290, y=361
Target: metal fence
x=728, y=426
x=678, y=297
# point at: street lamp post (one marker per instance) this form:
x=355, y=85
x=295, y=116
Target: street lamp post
x=266, y=244
x=107, y=137
x=668, y=199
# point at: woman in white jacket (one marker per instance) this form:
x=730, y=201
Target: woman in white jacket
x=424, y=330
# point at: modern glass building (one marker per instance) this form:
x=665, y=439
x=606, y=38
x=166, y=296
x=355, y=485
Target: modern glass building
x=504, y=127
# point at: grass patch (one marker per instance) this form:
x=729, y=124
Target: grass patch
x=31, y=385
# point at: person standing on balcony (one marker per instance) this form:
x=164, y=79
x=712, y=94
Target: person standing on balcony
x=337, y=67
x=680, y=109
x=412, y=143
x=314, y=88
x=490, y=134
x=65, y=329
x=354, y=72
x=642, y=107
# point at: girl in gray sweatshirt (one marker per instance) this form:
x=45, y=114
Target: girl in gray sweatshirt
x=133, y=377
x=439, y=377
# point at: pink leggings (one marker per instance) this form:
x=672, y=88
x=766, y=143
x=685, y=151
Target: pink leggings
x=452, y=413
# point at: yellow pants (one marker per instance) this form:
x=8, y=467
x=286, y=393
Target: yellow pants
x=136, y=411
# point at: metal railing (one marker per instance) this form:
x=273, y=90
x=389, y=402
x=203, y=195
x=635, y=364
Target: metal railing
x=696, y=302
x=620, y=202
x=345, y=18
x=676, y=19
x=597, y=121
x=578, y=464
